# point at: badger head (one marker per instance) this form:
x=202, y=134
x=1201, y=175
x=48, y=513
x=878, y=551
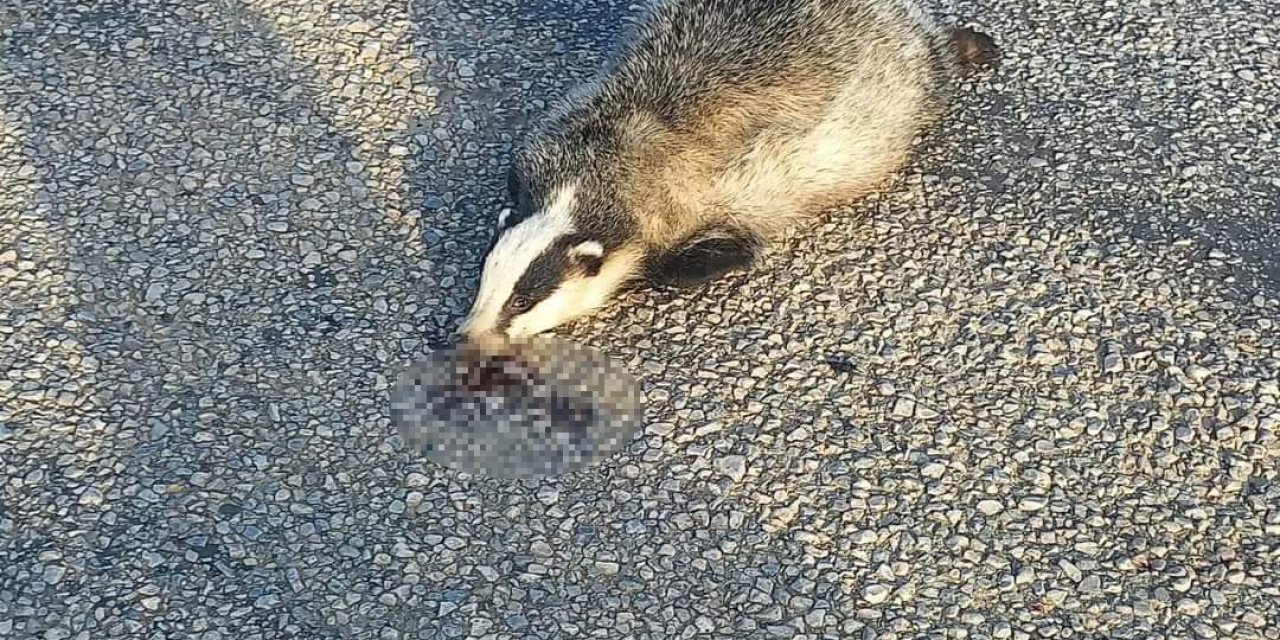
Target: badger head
x=554, y=259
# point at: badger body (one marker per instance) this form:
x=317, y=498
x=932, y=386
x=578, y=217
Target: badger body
x=717, y=126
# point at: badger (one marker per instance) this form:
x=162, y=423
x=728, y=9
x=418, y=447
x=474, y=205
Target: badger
x=718, y=126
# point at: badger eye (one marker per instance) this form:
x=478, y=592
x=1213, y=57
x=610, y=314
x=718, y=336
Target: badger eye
x=520, y=303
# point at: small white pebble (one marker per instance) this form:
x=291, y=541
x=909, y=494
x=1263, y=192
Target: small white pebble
x=876, y=593
x=990, y=507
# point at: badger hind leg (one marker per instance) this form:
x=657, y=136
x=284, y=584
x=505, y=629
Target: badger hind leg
x=973, y=48
x=703, y=257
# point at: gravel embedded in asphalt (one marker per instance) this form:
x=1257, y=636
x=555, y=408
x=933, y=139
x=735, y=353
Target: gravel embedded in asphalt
x=1032, y=390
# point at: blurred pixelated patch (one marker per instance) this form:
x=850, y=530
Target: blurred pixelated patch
x=528, y=409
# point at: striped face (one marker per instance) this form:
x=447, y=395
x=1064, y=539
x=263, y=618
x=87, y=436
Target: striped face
x=542, y=273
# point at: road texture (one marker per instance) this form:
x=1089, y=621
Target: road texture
x=1030, y=391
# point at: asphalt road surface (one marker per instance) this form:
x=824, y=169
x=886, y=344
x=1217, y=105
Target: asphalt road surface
x=1029, y=391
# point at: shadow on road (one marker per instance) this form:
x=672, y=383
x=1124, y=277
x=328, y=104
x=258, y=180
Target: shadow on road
x=203, y=288
x=208, y=294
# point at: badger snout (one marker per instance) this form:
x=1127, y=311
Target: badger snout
x=471, y=331
x=479, y=329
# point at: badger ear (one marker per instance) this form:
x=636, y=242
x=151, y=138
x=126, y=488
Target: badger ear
x=588, y=255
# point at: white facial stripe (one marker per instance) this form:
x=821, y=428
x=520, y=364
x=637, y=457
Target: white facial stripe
x=515, y=250
x=502, y=217
x=553, y=311
x=577, y=297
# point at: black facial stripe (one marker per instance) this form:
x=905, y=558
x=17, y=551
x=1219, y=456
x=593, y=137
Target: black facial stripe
x=515, y=186
x=515, y=217
x=521, y=197
x=539, y=281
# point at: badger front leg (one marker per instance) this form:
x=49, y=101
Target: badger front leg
x=703, y=257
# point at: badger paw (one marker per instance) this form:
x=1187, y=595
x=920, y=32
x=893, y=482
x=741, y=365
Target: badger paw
x=704, y=257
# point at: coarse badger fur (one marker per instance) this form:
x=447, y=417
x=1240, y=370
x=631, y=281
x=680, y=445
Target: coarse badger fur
x=719, y=125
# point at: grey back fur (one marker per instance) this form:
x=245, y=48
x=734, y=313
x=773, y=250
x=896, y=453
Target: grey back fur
x=750, y=115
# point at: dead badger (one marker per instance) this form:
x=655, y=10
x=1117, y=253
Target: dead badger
x=719, y=125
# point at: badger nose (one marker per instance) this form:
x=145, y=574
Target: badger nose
x=463, y=331
x=466, y=333
x=469, y=332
